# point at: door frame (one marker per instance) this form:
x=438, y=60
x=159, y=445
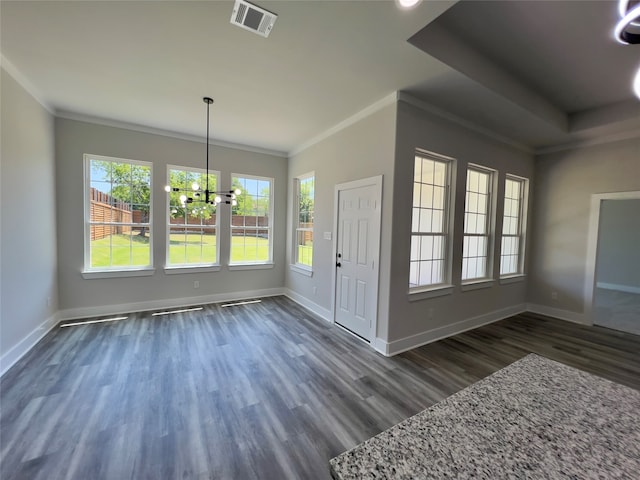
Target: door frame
x=364, y=182
x=592, y=246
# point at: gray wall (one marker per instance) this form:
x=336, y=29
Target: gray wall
x=418, y=129
x=74, y=138
x=618, y=259
x=384, y=143
x=28, y=285
x=562, y=198
x=364, y=149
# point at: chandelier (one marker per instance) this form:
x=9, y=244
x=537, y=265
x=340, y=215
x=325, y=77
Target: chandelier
x=627, y=30
x=207, y=197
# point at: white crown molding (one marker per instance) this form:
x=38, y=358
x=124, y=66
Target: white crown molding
x=80, y=117
x=24, y=82
x=590, y=142
x=427, y=107
x=374, y=107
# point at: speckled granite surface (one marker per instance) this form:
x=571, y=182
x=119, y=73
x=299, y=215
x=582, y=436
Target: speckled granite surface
x=534, y=419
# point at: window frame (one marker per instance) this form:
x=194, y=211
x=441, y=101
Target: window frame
x=521, y=229
x=118, y=271
x=296, y=264
x=445, y=287
x=186, y=267
x=253, y=264
x=489, y=224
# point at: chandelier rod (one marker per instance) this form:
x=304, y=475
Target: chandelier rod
x=208, y=101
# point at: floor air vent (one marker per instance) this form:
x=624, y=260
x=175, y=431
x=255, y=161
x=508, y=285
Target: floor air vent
x=253, y=18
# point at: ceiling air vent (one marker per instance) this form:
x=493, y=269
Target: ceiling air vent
x=255, y=19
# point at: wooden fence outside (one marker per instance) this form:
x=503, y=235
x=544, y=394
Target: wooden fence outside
x=106, y=209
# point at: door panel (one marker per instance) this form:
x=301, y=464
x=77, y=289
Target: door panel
x=356, y=262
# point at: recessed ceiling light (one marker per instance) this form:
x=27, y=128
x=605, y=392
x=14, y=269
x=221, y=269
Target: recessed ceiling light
x=408, y=3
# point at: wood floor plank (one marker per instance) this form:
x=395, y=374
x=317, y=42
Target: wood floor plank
x=264, y=390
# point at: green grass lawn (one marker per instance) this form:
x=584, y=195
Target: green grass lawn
x=131, y=251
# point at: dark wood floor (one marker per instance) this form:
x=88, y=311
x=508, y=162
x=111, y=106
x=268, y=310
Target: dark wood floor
x=258, y=391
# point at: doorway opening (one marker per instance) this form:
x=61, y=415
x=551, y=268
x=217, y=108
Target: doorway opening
x=612, y=290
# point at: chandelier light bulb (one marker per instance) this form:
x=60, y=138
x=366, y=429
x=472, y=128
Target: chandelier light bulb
x=237, y=191
x=183, y=198
x=218, y=199
x=195, y=186
x=167, y=188
x=233, y=196
x=234, y=203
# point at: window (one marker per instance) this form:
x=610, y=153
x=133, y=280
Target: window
x=512, y=249
x=430, y=258
x=118, y=214
x=303, y=245
x=193, y=227
x=477, y=224
x=251, y=221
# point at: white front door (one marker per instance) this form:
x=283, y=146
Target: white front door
x=357, y=253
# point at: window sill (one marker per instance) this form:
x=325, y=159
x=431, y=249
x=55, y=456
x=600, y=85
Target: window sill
x=520, y=277
x=301, y=270
x=251, y=266
x=191, y=269
x=421, y=293
x=141, y=272
x=477, y=285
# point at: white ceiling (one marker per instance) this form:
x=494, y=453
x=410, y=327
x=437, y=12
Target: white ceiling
x=540, y=73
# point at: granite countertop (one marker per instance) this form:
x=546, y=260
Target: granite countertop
x=535, y=418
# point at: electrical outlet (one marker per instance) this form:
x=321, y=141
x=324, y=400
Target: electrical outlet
x=196, y=284
x=554, y=295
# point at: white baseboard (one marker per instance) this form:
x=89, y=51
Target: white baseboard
x=380, y=346
x=19, y=350
x=618, y=288
x=84, y=312
x=559, y=313
x=322, y=312
x=398, y=346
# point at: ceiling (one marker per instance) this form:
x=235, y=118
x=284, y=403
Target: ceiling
x=537, y=73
